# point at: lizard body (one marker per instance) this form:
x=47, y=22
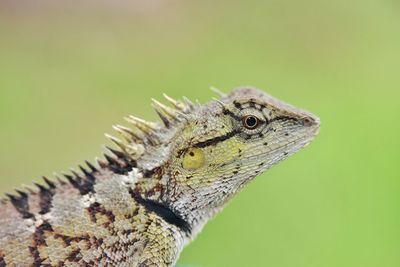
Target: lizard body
x=153, y=194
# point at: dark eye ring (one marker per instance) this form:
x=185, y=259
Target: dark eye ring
x=250, y=122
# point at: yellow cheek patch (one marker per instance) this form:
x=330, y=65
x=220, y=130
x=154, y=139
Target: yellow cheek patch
x=193, y=159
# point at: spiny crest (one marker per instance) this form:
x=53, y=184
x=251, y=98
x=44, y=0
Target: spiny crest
x=134, y=140
x=83, y=181
x=121, y=160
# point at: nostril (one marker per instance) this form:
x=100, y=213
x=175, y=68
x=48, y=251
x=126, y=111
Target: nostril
x=308, y=121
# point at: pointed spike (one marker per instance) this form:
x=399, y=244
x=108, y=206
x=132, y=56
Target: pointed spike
x=116, y=141
x=167, y=115
x=188, y=103
x=224, y=105
x=41, y=187
x=164, y=119
x=87, y=174
x=69, y=177
x=218, y=92
x=75, y=174
x=91, y=166
x=77, y=182
x=122, y=129
x=48, y=182
x=148, y=133
x=101, y=163
x=172, y=113
x=113, y=139
x=72, y=181
x=83, y=170
x=110, y=159
x=125, y=132
x=22, y=193
x=21, y=204
x=152, y=125
x=117, y=153
x=10, y=196
x=177, y=104
x=129, y=134
x=183, y=115
x=60, y=180
x=143, y=125
x=198, y=104
x=29, y=188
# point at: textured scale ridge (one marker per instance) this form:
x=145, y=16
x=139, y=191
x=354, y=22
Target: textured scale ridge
x=156, y=187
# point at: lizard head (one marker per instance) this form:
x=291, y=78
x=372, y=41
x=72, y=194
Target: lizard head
x=226, y=143
x=204, y=154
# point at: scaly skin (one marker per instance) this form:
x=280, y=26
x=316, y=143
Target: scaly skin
x=154, y=194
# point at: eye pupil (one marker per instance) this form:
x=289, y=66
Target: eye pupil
x=251, y=122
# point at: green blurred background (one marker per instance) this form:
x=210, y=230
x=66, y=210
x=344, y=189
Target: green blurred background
x=71, y=69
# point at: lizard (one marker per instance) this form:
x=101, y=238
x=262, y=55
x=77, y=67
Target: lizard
x=153, y=191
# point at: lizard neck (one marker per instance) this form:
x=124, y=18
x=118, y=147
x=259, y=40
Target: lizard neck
x=179, y=208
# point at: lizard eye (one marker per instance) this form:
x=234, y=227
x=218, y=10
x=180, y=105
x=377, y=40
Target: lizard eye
x=250, y=122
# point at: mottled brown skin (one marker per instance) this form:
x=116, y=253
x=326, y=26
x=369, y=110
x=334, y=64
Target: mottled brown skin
x=153, y=195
